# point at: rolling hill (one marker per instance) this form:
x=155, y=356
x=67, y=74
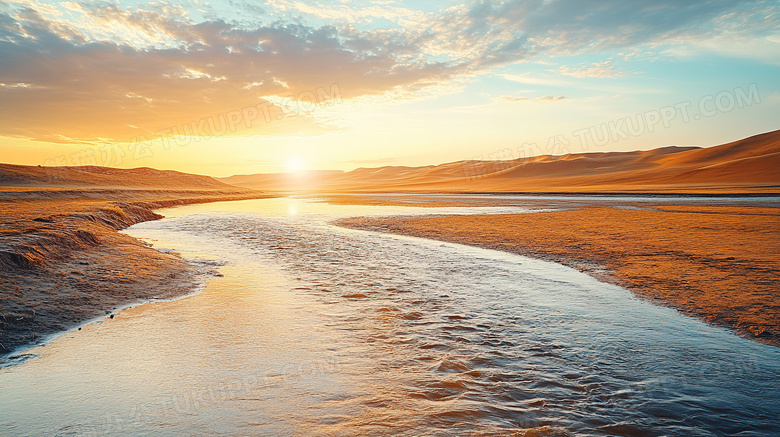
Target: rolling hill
x=748, y=165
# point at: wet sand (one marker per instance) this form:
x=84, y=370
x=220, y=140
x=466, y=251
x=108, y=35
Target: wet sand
x=63, y=261
x=719, y=263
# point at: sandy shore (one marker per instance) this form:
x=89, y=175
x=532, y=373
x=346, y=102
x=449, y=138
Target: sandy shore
x=718, y=263
x=63, y=261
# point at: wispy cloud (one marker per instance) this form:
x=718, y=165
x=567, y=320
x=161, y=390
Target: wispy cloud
x=528, y=99
x=599, y=70
x=530, y=79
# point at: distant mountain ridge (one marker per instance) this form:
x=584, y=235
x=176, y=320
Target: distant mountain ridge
x=748, y=165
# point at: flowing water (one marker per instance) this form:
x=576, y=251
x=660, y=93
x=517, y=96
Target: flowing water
x=313, y=329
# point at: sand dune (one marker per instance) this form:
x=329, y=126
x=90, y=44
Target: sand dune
x=62, y=261
x=23, y=176
x=748, y=165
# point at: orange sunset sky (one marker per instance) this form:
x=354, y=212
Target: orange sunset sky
x=222, y=88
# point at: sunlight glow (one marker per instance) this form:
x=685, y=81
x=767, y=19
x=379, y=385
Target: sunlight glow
x=295, y=164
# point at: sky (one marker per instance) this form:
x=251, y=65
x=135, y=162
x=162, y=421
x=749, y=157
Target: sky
x=240, y=87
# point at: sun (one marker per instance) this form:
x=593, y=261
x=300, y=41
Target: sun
x=295, y=164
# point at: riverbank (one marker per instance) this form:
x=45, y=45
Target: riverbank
x=719, y=263
x=63, y=261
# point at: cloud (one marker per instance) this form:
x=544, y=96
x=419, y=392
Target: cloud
x=533, y=80
x=599, y=70
x=567, y=26
x=103, y=72
x=353, y=13
x=94, y=90
x=766, y=50
x=527, y=99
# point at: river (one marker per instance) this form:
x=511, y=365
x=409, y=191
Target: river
x=312, y=329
